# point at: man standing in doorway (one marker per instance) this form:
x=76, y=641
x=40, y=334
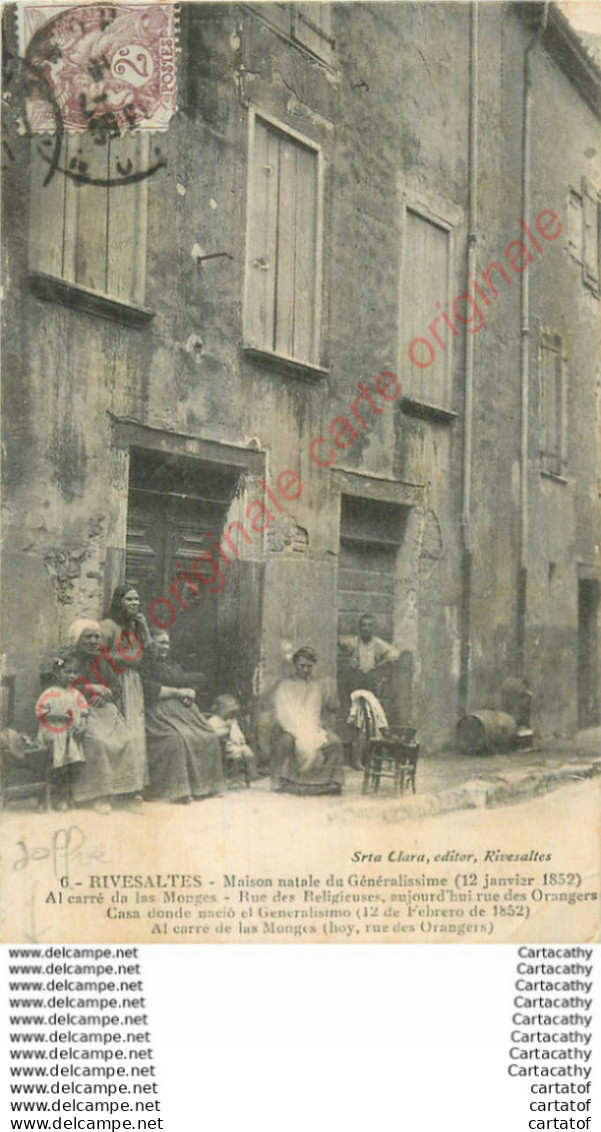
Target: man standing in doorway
x=367, y=666
x=370, y=656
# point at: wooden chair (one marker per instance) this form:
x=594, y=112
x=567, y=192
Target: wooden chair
x=25, y=770
x=394, y=755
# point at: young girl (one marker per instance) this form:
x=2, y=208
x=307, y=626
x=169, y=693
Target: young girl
x=238, y=754
x=62, y=717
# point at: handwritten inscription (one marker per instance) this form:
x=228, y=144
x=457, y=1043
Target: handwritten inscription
x=65, y=849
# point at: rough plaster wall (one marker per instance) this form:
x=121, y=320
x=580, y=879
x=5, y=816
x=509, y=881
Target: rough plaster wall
x=565, y=516
x=418, y=65
x=398, y=108
x=184, y=372
x=496, y=417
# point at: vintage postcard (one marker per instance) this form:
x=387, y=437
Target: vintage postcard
x=302, y=472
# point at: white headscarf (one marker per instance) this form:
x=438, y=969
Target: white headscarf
x=78, y=627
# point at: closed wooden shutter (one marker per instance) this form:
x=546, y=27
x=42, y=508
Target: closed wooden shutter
x=89, y=234
x=282, y=265
x=313, y=28
x=262, y=223
x=590, y=265
x=553, y=408
x=425, y=283
x=574, y=225
x=296, y=231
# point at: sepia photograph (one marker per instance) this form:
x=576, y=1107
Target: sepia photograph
x=301, y=525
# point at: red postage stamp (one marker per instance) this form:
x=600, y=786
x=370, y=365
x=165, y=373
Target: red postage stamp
x=109, y=68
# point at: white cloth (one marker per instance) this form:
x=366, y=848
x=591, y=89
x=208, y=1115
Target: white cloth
x=298, y=705
x=367, y=713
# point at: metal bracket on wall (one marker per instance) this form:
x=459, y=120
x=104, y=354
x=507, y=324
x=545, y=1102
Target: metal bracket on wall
x=214, y=255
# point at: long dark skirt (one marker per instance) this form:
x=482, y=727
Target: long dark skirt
x=133, y=710
x=184, y=754
x=325, y=775
x=110, y=765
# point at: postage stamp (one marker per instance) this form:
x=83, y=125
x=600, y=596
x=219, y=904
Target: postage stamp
x=110, y=68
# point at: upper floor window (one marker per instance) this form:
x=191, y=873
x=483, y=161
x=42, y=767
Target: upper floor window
x=574, y=225
x=309, y=25
x=590, y=224
x=87, y=235
x=312, y=26
x=283, y=274
x=426, y=257
x=553, y=405
x=584, y=233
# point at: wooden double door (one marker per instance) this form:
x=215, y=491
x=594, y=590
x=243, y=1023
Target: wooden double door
x=371, y=538
x=175, y=518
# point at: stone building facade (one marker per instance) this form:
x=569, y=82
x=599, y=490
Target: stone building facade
x=183, y=358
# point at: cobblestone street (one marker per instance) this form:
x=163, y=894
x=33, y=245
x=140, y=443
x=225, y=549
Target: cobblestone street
x=449, y=780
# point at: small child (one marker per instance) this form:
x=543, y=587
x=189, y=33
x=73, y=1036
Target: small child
x=62, y=720
x=224, y=722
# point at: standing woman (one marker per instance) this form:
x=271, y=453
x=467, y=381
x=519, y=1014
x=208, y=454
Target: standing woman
x=125, y=632
x=108, y=767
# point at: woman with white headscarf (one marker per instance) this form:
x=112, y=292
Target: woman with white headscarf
x=109, y=766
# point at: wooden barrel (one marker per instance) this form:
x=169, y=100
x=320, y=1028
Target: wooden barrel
x=485, y=732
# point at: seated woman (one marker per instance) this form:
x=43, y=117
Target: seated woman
x=184, y=753
x=109, y=768
x=306, y=758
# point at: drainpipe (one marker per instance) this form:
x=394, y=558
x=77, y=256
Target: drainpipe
x=525, y=347
x=468, y=403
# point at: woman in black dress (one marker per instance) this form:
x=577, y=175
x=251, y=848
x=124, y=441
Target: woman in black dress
x=184, y=754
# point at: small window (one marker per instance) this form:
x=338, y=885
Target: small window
x=276, y=14
x=553, y=405
x=92, y=235
x=283, y=279
x=308, y=25
x=574, y=225
x=590, y=225
x=312, y=26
